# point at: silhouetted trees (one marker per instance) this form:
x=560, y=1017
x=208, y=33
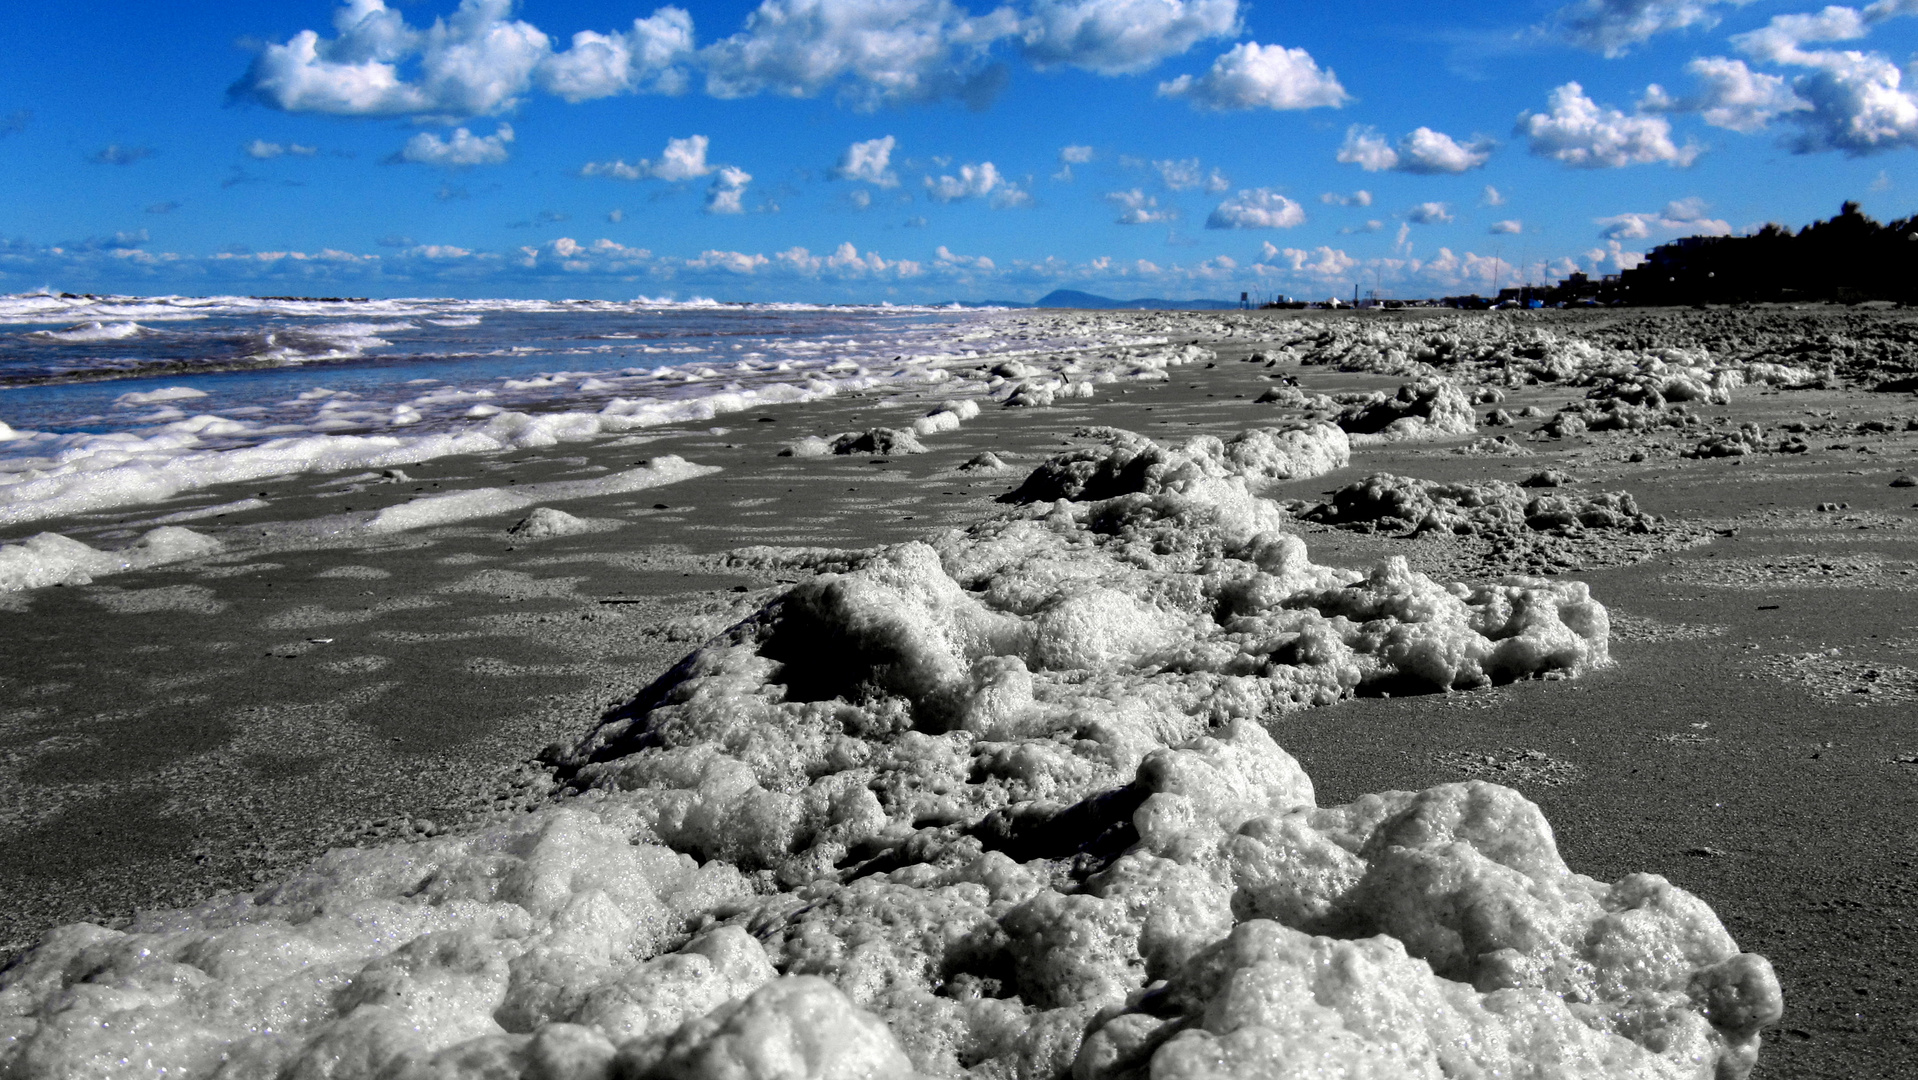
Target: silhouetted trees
x=1847, y=258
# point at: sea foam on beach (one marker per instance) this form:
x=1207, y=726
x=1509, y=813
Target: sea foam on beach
x=1004, y=802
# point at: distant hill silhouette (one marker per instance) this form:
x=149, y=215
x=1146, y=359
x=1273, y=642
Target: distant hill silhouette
x=1072, y=298
x=1848, y=258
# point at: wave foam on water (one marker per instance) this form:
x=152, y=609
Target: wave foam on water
x=92, y=330
x=380, y=418
x=54, y=307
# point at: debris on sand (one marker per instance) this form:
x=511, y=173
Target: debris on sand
x=1510, y=765
x=1831, y=675
x=1493, y=446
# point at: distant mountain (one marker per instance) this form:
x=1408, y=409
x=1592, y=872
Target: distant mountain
x=1072, y=298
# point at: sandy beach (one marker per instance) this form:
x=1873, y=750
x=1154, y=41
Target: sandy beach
x=211, y=725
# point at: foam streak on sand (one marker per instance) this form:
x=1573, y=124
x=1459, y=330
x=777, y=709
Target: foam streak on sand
x=51, y=559
x=1001, y=803
x=83, y=474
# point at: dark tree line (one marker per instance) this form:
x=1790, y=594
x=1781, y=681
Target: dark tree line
x=1847, y=258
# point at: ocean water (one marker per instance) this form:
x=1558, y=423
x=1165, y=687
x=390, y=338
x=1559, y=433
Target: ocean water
x=98, y=365
x=111, y=400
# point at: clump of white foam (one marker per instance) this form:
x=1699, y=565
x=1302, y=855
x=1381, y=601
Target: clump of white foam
x=984, y=461
x=1431, y=408
x=545, y=523
x=883, y=441
x=1384, y=501
x=947, y=417
x=156, y=397
x=1004, y=803
x=52, y=559
x=1126, y=463
x=369, y=959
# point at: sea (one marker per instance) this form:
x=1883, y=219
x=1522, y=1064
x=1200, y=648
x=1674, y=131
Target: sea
x=106, y=400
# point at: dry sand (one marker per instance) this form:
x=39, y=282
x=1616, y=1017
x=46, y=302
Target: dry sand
x=175, y=733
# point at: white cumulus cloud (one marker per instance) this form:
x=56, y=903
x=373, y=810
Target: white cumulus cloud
x=845, y=262
x=1849, y=100
x=263, y=150
x=1254, y=76
x=1319, y=262
x=1430, y=213
x=728, y=189
x=459, y=150
x=1357, y=198
x=650, y=56
x=1421, y=151
x=1070, y=156
x=875, y=52
x=1730, y=95
x=474, y=62
x=946, y=260
x=731, y=262
x=1115, y=37
x=1578, y=132
x=870, y=161
x=1612, y=27
x=1510, y=227
x=981, y=181
x=683, y=159
x=1188, y=173
x=1256, y=208
x=1138, y=208
x=1682, y=215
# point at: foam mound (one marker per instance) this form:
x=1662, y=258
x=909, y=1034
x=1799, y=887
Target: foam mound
x=1428, y=409
x=1125, y=463
x=1005, y=803
x=546, y=523
x=49, y=558
x=881, y=441
x=1384, y=501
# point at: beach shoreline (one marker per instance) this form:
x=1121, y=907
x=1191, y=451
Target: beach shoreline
x=211, y=724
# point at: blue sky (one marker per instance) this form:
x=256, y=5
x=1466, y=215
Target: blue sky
x=924, y=150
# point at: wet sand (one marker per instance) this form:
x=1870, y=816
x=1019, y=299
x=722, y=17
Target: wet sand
x=171, y=734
